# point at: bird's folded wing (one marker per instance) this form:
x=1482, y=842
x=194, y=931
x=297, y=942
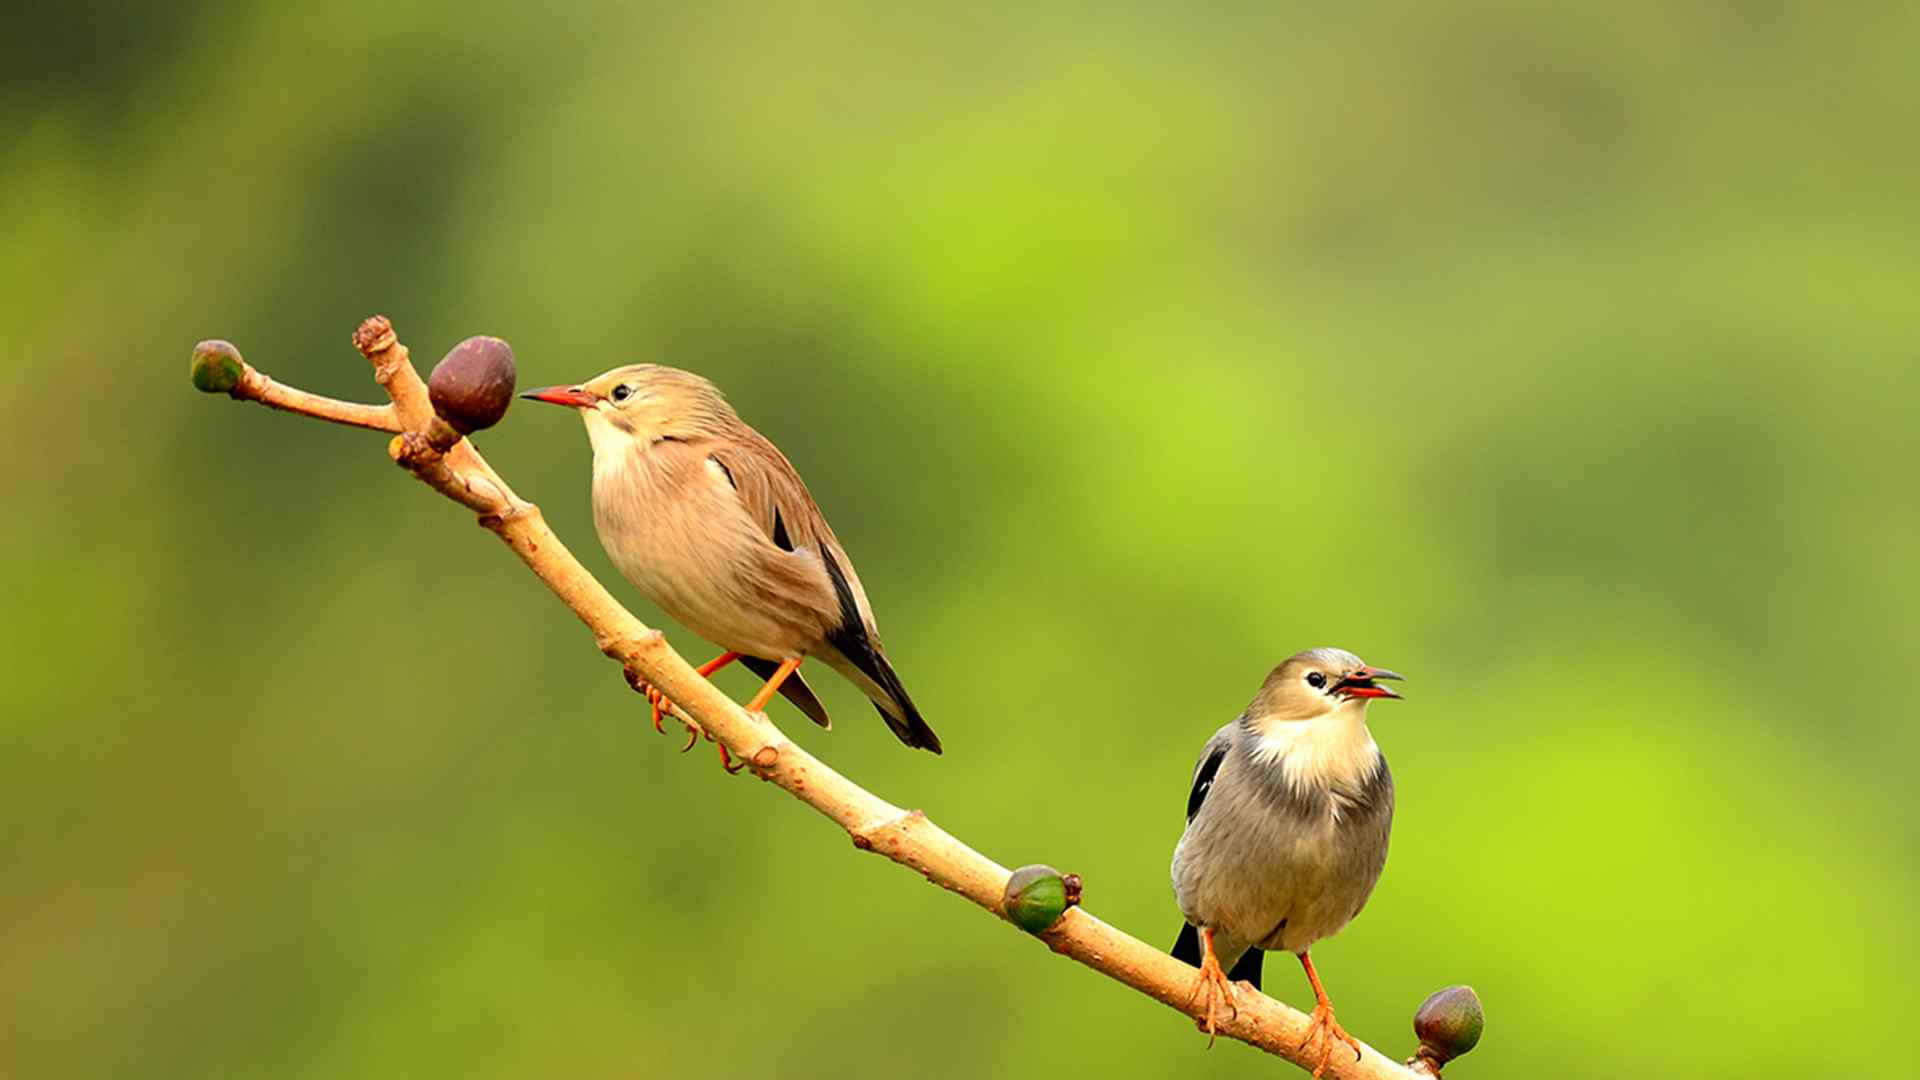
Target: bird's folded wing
x=772, y=491
x=1207, y=768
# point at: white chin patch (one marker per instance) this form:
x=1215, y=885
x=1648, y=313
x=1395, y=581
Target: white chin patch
x=609, y=442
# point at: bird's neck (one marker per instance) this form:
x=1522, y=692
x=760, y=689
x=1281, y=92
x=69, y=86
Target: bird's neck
x=1331, y=751
x=612, y=446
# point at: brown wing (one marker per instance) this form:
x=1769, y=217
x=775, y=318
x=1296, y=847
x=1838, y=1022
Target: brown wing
x=778, y=501
x=773, y=493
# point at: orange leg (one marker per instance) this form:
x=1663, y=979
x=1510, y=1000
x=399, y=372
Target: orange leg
x=717, y=663
x=1324, y=1025
x=1213, y=980
x=786, y=668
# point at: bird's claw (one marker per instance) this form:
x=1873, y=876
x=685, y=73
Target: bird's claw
x=662, y=707
x=657, y=700
x=1214, y=982
x=1328, y=1029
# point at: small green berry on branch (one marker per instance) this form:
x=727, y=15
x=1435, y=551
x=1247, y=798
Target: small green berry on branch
x=1038, y=895
x=217, y=367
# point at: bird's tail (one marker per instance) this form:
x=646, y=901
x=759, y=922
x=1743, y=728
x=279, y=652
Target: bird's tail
x=857, y=657
x=1186, y=948
x=903, y=719
x=854, y=651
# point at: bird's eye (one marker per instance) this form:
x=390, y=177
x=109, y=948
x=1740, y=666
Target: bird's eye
x=622, y=392
x=1316, y=680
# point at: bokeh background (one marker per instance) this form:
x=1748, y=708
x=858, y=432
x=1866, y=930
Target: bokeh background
x=1564, y=360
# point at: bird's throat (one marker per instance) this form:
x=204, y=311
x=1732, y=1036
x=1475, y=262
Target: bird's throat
x=1331, y=751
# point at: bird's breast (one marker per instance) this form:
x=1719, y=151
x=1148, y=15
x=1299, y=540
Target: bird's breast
x=681, y=536
x=1277, y=866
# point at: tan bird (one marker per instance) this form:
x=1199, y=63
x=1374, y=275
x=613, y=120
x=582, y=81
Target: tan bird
x=709, y=520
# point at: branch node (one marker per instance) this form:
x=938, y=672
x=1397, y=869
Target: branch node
x=375, y=335
x=253, y=385
x=627, y=649
x=413, y=450
x=515, y=509
x=893, y=828
x=442, y=435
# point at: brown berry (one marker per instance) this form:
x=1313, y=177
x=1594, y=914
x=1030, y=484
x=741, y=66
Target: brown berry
x=472, y=385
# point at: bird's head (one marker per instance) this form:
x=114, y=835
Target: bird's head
x=1318, y=682
x=643, y=403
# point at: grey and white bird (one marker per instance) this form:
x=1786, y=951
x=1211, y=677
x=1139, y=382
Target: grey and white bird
x=1287, y=827
x=711, y=521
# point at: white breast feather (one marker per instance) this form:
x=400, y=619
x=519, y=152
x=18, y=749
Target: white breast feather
x=1333, y=751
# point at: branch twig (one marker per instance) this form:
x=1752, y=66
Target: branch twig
x=253, y=386
x=452, y=466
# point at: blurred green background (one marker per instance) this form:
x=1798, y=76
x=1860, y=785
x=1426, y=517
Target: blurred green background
x=1564, y=360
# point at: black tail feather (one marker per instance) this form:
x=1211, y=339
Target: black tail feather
x=863, y=652
x=1186, y=948
x=909, y=728
x=1247, y=968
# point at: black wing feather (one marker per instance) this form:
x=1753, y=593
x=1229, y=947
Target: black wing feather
x=1203, y=780
x=1187, y=946
x=780, y=538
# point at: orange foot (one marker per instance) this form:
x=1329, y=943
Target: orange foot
x=663, y=707
x=1213, y=981
x=1327, y=1029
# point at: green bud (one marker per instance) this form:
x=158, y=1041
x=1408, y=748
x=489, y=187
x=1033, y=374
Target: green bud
x=1037, y=896
x=473, y=385
x=1449, y=1023
x=217, y=367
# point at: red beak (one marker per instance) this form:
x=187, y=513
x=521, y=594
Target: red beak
x=1360, y=682
x=563, y=395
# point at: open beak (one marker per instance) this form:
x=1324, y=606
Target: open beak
x=563, y=395
x=1360, y=683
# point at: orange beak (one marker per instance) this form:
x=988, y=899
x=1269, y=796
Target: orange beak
x=1360, y=683
x=563, y=395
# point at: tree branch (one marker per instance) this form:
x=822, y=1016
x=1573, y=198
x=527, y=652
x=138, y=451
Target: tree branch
x=253, y=386
x=451, y=465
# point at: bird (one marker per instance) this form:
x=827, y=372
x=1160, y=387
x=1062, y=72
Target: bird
x=1287, y=827
x=711, y=522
